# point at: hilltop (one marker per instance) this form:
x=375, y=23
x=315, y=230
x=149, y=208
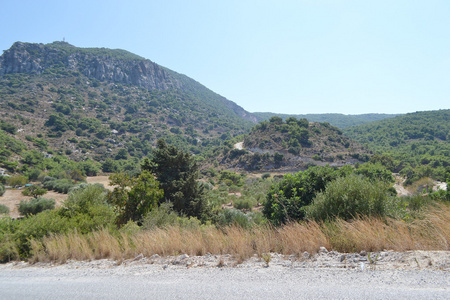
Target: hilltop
x=89, y=103
x=338, y=120
x=294, y=145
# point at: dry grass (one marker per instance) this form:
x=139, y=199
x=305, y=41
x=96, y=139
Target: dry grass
x=432, y=232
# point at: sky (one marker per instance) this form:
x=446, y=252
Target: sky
x=294, y=57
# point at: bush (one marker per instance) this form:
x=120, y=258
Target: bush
x=287, y=199
x=349, y=197
x=82, y=197
x=161, y=216
x=57, y=185
x=244, y=203
x=35, y=206
x=227, y=217
x=4, y=209
x=164, y=216
x=17, y=180
x=2, y=189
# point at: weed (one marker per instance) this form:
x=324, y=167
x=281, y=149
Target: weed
x=373, y=261
x=267, y=258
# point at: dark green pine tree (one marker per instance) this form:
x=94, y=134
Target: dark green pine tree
x=177, y=173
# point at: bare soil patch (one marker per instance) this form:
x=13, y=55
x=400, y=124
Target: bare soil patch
x=100, y=179
x=12, y=197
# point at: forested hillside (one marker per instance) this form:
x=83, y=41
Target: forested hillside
x=295, y=145
x=416, y=144
x=338, y=120
x=107, y=105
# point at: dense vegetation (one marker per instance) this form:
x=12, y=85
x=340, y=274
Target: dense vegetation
x=62, y=125
x=295, y=145
x=415, y=145
x=62, y=109
x=135, y=205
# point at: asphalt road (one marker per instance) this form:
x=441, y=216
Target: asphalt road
x=155, y=282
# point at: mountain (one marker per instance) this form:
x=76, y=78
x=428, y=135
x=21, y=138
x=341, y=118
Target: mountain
x=338, y=120
x=415, y=144
x=92, y=102
x=294, y=145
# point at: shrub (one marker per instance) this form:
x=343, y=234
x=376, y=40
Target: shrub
x=287, y=199
x=349, y=197
x=17, y=180
x=227, y=217
x=4, y=209
x=265, y=176
x=35, y=206
x=161, y=216
x=82, y=197
x=164, y=216
x=2, y=189
x=244, y=203
x=375, y=171
x=57, y=185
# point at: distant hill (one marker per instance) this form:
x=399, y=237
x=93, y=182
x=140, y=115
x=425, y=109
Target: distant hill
x=92, y=102
x=294, y=145
x=338, y=120
x=419, y=143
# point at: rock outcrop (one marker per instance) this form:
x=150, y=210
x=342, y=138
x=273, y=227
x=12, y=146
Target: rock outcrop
x=37, y=58
x=116, y=66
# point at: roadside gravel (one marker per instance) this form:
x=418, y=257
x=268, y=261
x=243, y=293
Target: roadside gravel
x=326, y=275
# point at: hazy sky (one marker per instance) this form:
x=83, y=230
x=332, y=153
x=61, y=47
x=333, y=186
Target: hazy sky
x=299, y=56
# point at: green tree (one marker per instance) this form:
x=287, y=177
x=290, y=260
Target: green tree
x=34, y=191
x=375, y=172
x=177, y=172
x=134, y=197
x=287, y=199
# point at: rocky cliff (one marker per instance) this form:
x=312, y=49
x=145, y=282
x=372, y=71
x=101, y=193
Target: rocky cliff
x=111, y=65
x=118, y=66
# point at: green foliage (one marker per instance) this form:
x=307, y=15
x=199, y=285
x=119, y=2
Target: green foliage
x=375, y=172
x=227, y=217
x=34, y=191
x=2, y=189
x=10, y=128
x=82, y=197
x=17, y=180
x=164, y=216
x=415, y=145
x=4, y=209
x=349, y=197
x=133, y=198
x=287, y=199
x=246, y=203
x=35, y=206
x=85, y=210
x=177, y=173
x=57, y=185
x=231, y=178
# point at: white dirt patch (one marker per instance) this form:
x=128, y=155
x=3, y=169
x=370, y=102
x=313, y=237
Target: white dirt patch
x=239, y=146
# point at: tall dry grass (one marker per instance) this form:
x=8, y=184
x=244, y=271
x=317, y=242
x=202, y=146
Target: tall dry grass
x=431, y=232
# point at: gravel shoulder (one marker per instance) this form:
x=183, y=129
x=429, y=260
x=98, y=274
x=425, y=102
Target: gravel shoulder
x=327, y=275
